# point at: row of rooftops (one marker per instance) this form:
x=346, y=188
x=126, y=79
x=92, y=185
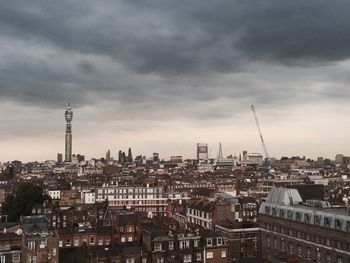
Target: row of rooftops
x=286, y=203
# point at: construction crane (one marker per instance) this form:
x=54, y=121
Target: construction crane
x=267, y=160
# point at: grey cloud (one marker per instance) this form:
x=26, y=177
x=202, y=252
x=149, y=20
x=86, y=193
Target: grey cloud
x=168, y=53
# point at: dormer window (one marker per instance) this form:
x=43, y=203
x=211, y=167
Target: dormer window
x=298, y=216
x=282, y=213
x=219, y=241
x=307, y=218
x=338, y=223
x=267, y=210
x=327, y=221
x=317, y=219
x=209, y=242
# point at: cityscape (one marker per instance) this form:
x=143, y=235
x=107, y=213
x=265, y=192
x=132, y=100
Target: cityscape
x=174, y=131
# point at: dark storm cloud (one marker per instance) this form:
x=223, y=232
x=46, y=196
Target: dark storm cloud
x=164, y=51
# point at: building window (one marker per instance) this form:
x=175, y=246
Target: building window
x=92, y=240
x=291, y=247
x=68, y=243
x=268, y=241
x=160, y=260
x=198, y=256
x=32, y=259
x=16, y=258
x=339, y=259
x=209, y=242
x=171, y=245
x=184, y=244
x=195, y=243
x=2, y=259
x=318, y=256
x=219, y=241
x=210, y=255
x=275, y=243
x=338, y=223
x=76, y=242
x=299, y=251
x=223, y=253
x=328, y=258
x=31, y=245
x=130, y=260
x=129, y=239
x=100, y=242
x=158, y=246
x=122, y=239
x=188, y=258
x=308, y=252
x=327, y=221
x=283, y=244
x=307, y=218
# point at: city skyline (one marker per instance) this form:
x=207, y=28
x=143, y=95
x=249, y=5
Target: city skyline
x=164, y=76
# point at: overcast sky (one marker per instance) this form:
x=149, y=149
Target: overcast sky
x=160, y=76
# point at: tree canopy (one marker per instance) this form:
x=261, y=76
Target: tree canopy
x=23, y=200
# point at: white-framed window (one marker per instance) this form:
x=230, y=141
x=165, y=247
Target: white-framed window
x=308, y=252
x=299, y=250
x=219, y=241
x=158, y=246
x=129, y=239
x=16, y=258
x=60, y=243
x=2, y=259
x=223, y=253
x=184, y=244
x=32, y=259
x=31, y=245
x=92, y=240
x=198, y=256
x=188, y=258
x=210, y=255
x=130, y=260
x=160, y=260
x=195, y=242
x=122, y=239
x=209, y=242
x=171, y=245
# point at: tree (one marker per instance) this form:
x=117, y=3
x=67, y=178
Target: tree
x=23, y=200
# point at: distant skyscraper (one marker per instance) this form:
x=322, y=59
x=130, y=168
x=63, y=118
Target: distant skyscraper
x=130, y=159
x=202, y=151
x=69, y=117
x=220, y=155
x=108, y=155
x=156, y=157
x=59, y=158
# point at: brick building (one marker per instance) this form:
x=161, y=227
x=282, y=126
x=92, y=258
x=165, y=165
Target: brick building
x=303, y=231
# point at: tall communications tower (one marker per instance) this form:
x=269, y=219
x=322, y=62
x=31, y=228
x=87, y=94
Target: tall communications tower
x=69, y=117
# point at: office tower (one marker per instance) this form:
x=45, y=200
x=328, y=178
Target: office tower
x=220, y=155
x=245, y=155
x=119, y=156
x=156, y=157
x=68, y=116
x=202, y=151
x=108, y=155
x=130, y=159
x=59, y=158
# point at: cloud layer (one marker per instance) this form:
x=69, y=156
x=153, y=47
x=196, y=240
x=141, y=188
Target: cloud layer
x=181, y=61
